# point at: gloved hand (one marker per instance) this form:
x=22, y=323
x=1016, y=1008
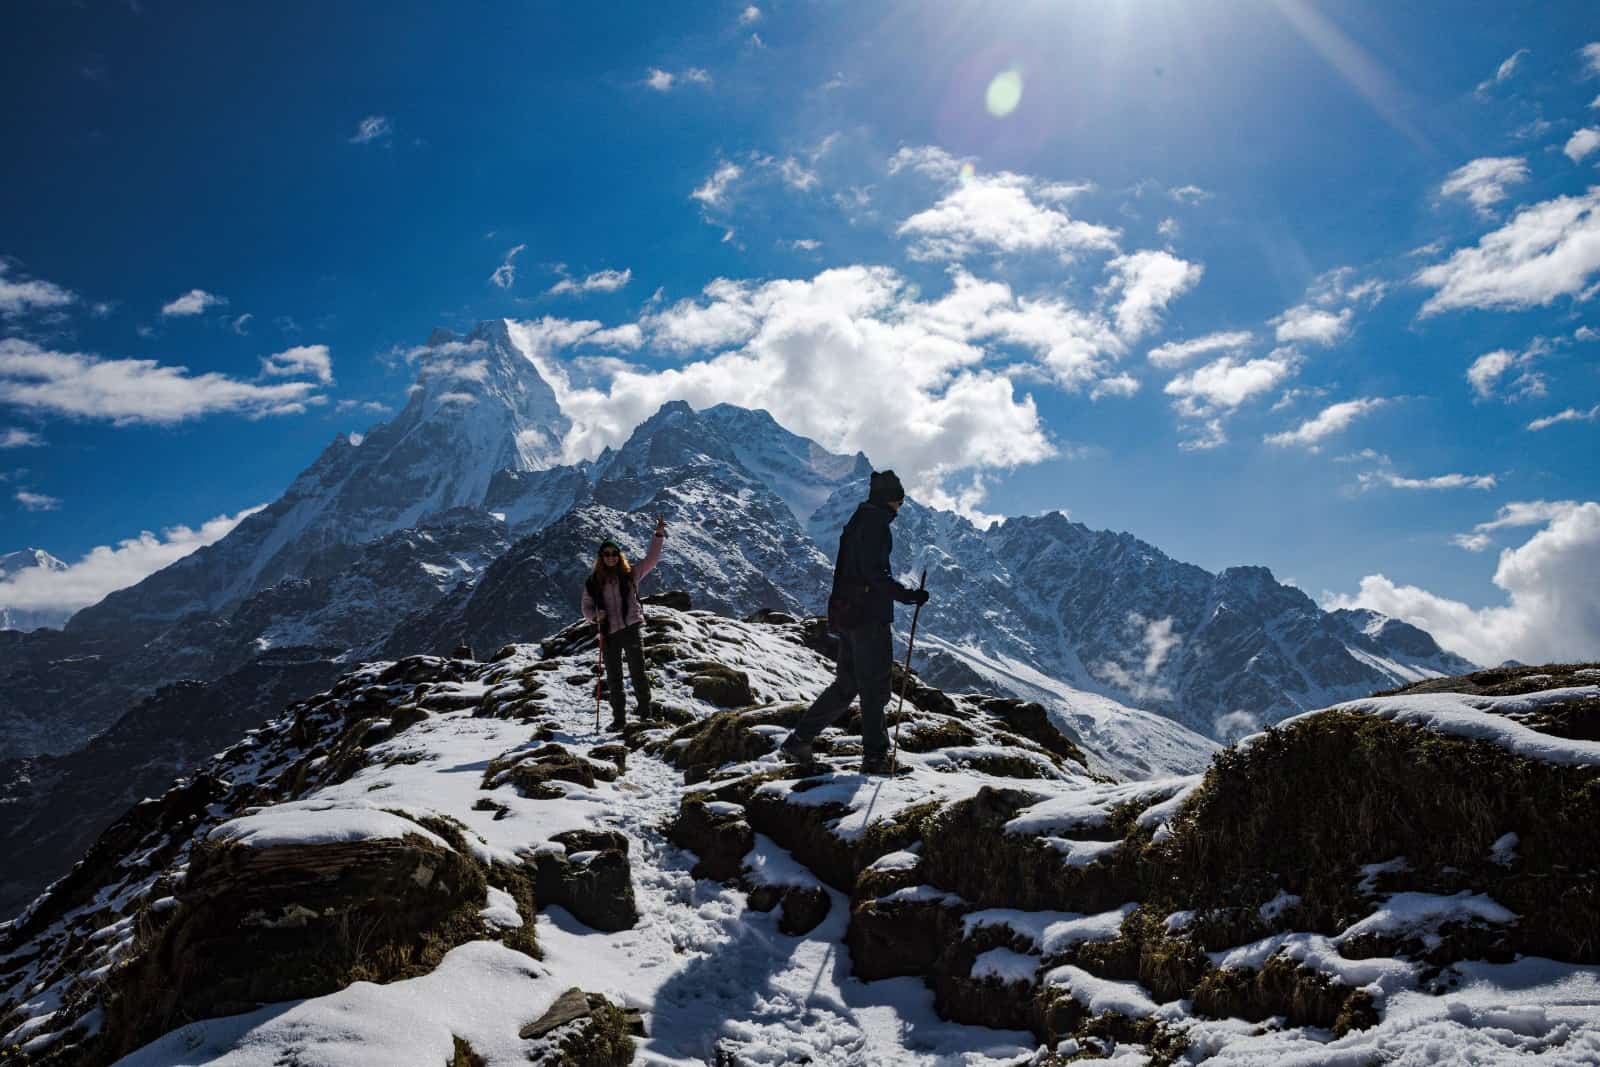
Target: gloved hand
x=919, y=597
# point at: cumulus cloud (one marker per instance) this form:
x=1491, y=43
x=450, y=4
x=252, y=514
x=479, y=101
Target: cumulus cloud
x=604, y=281
x=1547, y=250
x=312, y=361
x=996, y=213
x=1550, y=613
x=192, y=303
x=1147, y=282
x=1590, y=54
x=505, y=275
x=37, y=501
x=1188, y=194
x=1483, y=181
x=18, y=296
x=851, y=358
x=372, y=128
x=1566, y=415
x=129, y=391
x=1489, y=370
x=1580, y=144
x=1177, y=353
x=106, y=569
x=12, y=437
x=241, y=325
x=1225, y=383
x=1313, y=325
x=1327, y=422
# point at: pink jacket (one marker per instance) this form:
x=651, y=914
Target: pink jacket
x=611, y=595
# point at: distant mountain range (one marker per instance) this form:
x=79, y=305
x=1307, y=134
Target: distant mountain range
x=456, y=522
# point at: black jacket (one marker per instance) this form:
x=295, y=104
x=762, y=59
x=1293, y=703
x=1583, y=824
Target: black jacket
x=862, y=570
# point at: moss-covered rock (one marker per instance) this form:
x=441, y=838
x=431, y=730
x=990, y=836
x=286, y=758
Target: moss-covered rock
x=720, y=841
x=722, y=686
x=590, y=876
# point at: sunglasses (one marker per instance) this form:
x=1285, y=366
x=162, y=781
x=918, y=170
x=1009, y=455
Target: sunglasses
x=610, y=555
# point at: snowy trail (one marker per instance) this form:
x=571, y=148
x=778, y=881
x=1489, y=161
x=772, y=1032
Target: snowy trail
x=715, y=976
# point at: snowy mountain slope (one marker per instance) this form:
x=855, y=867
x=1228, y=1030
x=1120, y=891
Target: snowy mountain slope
x=11, y=565
x=996, y=905
x=478, y=407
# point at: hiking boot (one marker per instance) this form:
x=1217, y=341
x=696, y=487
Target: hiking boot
x=878, y=765
x=643, y=711
x=796, y=750
x=618, y=722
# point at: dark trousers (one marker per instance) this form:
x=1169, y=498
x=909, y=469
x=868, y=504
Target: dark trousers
x=626, y=640
x=864, y=657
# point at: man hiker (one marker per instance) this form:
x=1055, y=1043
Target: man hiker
x=611, y=602
x=860, y=611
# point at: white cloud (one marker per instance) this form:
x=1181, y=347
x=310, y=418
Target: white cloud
x=12, y=437
x=805, y=244
x=1057, y=191
x=505, y=275
x=1207, y=435
x=105, y=569
x=1116, y=385
x=309, y=360
x=372, y=128
x=714, y=191
x=1177, y=353
x=37, y=501
x=1313, y=325
x=1586, y=333
x=662, y=81
x=990, y=212
x=1225, y=383
x=372, y=407
x=1188, y=194
x=1329, y=421
x=750, y=14
x=1169, y=229
x=1148, y=282
x=192, y=303
x=1483, y=181
x=627, y=336
x=129, y=391
x=1138, y=674
x=1567, y=415
x=1489, y=369
x=851, y=358
x=19, y=296
x=603, y=281
x=1550, y=614
x=1485, y=372
x=242, y=323
x=1591, y=58
x=1375, y=479
x=1505, y=71
x=1580, y=144
x=1547, y=250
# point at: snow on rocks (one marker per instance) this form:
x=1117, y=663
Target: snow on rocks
x=994, y=899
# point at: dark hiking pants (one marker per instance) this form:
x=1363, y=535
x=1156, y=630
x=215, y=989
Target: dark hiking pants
x=626, y=640
x=864, y=657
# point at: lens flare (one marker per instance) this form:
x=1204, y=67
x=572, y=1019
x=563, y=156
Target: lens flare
x=1005, y=93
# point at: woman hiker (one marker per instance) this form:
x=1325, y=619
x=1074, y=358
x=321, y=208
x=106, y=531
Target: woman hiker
x=611, y=602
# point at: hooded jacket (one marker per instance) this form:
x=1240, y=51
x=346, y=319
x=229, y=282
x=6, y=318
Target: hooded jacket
x=619, y=598
x=863, y=571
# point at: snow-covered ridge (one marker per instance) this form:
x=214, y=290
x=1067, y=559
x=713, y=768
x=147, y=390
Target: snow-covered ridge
x=788, y=912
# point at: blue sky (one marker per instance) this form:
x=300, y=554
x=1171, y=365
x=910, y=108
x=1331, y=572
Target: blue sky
x=1213, y=273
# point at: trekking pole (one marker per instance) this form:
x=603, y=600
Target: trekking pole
x=905, y=677
x=599, y=670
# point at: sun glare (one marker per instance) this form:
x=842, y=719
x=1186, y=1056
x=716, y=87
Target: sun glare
x=1004, y=94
